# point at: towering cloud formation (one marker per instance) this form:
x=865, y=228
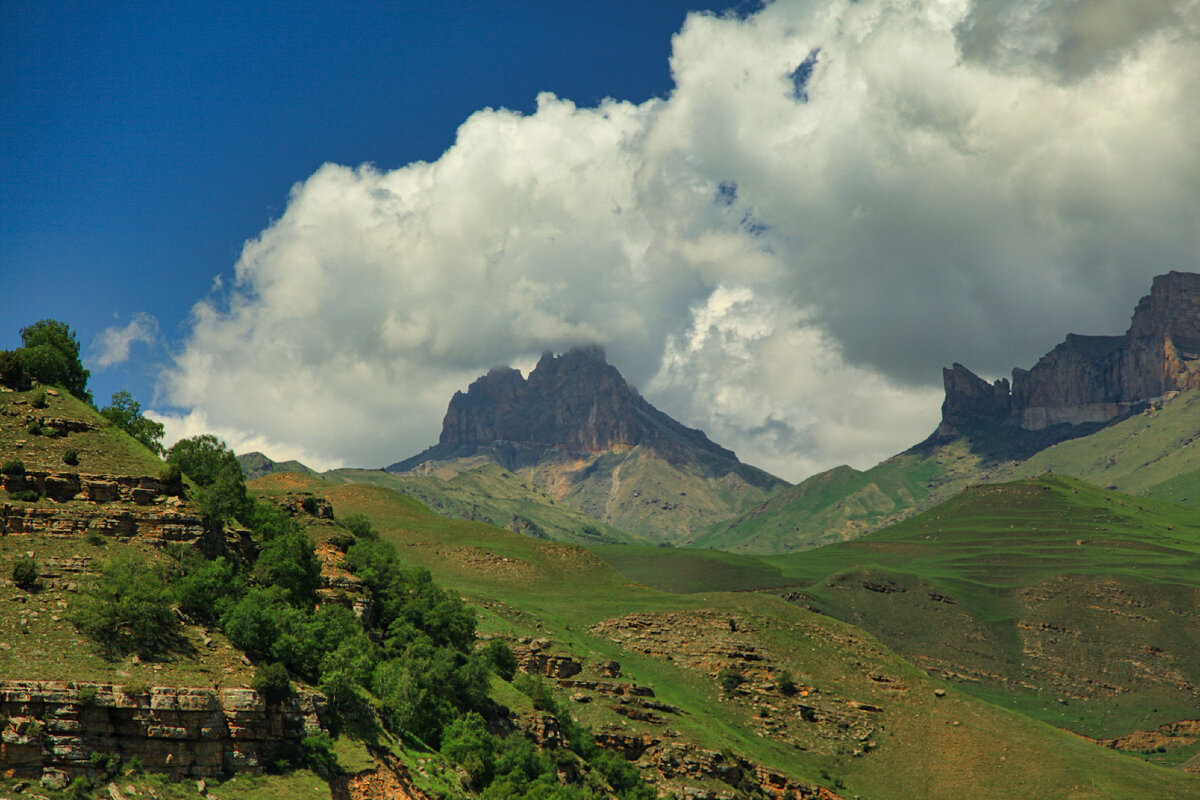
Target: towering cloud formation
x=837, y=199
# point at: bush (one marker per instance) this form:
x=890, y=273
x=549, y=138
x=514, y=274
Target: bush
x=107, y=765
x=40, y=401
x=51, y=356
x=12, y=373
x=360, y=526
x=129, y=611
x=466, y=742
x=25, y=495
x=71, y=457
x=34, y=429
x=310, y=504
x=13, y=467
x=25, y=573
x=501, y=659
x=87, y=695
x=787, y=685
x=730, y=679
x=272, y=682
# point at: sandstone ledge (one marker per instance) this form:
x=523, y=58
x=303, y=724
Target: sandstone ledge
x=184, y=731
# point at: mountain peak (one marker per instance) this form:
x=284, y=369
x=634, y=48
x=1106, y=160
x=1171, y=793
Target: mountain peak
x=575, y=402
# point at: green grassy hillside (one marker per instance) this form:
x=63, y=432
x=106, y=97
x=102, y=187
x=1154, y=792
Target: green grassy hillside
x=915, y=743
x=1067, y=602
x=844, y=503
x=100, y=449
x=1155, y=453
x=497, y=496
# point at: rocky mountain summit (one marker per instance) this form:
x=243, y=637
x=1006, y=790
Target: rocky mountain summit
x=583, y=436
x=574, y=403
x=1093, y=379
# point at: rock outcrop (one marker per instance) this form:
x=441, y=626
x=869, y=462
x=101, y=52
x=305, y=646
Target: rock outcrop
x=51, y=727
x=574, y=403
x=1093, y=379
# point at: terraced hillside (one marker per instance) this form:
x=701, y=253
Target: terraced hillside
x=1071, y=604
x=848, y=714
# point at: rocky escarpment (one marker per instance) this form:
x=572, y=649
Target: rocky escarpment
x=49, y=729
x=575, y=403
x=1091, y=379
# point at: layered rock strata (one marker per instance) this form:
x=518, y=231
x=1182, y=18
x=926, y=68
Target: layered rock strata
x=54, y=727
x=1090, y=379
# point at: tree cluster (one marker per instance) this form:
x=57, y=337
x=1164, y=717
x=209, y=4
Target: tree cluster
x=49, y=355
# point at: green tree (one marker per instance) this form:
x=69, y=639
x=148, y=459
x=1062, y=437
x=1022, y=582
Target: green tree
x=290, y=563
x=214, y=467
x=129, y=611
x=466, y=742
x=51, y=356
x=126, y=414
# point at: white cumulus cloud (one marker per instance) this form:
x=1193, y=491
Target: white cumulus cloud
x=836, y=200
x=111, y=346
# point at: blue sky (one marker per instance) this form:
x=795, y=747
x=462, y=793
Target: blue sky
x=303, y=226
x=143, y=143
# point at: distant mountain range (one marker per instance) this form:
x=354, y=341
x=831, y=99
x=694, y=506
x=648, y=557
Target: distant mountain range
x=580, y=439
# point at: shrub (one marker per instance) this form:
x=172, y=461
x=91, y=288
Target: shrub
x=95, y=539
x=129, y=611
x=51, y=355
x=310, y=504
x=360, y=526
x=501, y=659
x=71, y=457
x=466, y=742
x=107, y=765
x=40, y=401
x=25, y=495
x=787, y=685
x=87, y=695
x=272, y=682
x=13, y=467
x=170, y=475
x=319, y=755
x=730, y=679
x=25, y=573
x=12, y=373
x=126, y=414
x=34, y=429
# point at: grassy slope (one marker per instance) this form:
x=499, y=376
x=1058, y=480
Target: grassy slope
x=44, y=644
x=929, y=747
x=844, y=503
x=1030, y=593
x=639, y=491
x=105, y=450
x=497, y=496
x=1154, y=453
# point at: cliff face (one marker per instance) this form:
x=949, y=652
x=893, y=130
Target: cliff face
x=576, y=403
x=1094, y=378
x=51, y=728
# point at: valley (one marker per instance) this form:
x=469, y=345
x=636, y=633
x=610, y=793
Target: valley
x=573, y=581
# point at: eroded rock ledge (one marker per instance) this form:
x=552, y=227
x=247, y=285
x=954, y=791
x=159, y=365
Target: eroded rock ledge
x=51, y=727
